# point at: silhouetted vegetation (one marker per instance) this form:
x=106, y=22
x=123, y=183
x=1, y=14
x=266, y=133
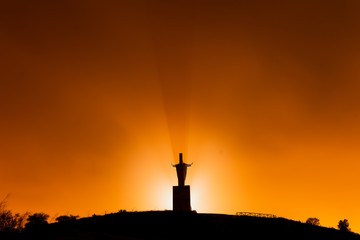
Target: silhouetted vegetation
x=313, y=221
x=10, y=222
x=66, y=218
x=344, y=225
x=36, y=220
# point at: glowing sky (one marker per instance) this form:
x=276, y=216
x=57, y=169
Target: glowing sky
x=98, y=97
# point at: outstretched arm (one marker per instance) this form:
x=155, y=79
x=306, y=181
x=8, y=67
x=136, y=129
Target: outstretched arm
x=189, y=165
x=173, y=165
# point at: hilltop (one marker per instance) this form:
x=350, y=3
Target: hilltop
x=178, y=225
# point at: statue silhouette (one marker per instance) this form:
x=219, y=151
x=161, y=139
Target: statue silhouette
x=181, y=169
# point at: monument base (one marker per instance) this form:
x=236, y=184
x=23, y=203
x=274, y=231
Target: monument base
x=181, y=198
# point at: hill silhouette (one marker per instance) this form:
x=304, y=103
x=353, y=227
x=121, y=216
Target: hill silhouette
x=181, y=225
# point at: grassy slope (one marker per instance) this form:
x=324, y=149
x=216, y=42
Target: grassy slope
x=171, y=225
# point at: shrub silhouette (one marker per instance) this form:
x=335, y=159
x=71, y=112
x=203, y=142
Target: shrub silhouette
x=7, y=222
x=313, y=221
x=65, y=218
x=10, y=222
x=344, y=225
x=37, y=220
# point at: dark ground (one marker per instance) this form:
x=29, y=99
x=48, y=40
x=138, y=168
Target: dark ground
x=173, y=225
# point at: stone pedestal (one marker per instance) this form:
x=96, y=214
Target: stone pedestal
x=181, y=198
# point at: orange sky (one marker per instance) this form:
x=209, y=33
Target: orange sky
x=97, y=99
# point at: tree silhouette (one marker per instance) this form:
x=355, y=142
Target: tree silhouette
x=65, y=218
x=20, y=220
x=313, y=221
x=7, y=223
x=344, y=225
x=10, y=222
x=36, y=220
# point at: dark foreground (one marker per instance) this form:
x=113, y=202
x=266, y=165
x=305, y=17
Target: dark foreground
x=171, y=225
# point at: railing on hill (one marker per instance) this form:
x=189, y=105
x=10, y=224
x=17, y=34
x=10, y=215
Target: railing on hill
x=251, y=214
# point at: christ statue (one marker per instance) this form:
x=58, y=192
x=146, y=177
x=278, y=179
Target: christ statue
x=181, y=169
